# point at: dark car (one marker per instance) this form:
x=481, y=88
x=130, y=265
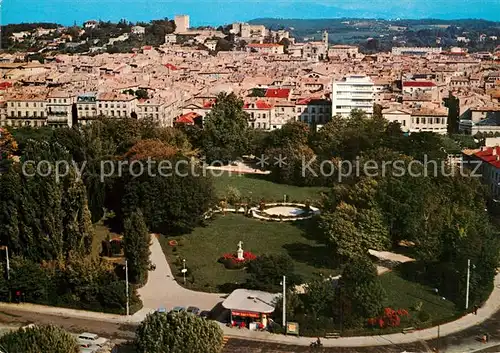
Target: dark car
x=194, y=310
x=205, y=314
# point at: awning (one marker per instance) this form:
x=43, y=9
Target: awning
x=245, y=314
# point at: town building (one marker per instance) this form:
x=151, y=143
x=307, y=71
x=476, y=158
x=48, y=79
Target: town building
x=115, y=105
x=86, y=106
x=352, y=92
x=265, y=48
x=416, y=50
x=26, y=110
x=59, y=109
x=181, y=23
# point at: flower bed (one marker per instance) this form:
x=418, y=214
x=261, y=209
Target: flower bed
x=173, y=243
x=231, y=261
x=390, y=318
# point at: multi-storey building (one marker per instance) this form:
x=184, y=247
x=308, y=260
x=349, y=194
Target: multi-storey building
x=86, y=105
x=418, y=120
x=155, y=109
x=415, y=50
x=315, y=112
x=353, y=92
x=266, y=48
x=26, y=110
x=59, y=109
x=115, y=105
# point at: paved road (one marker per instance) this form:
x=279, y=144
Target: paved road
x=162, y=290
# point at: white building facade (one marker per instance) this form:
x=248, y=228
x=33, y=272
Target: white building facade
x=353, y=92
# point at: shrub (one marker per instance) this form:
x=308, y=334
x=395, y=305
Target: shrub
x=423, y=316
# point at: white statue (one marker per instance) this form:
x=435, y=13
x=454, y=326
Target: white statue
x=240, y=251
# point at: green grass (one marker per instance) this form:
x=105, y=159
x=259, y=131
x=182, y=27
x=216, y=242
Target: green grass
x=402, y=294
x=204, y=246
x=258, y=188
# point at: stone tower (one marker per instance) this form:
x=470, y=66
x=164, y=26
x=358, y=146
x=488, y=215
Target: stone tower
x=325, y=40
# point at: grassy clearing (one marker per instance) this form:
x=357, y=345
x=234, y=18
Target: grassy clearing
x=404, y=294
x=204, y=246
x=257, y=187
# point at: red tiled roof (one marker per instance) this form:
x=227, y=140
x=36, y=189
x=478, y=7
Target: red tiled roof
x=487, y=156
x=418, y=84
x=188, y=118
x=260, y=104
x=208, y=104
x=278, y=93
x=171, y=67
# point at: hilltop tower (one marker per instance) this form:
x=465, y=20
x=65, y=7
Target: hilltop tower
x=325, y=40
x=181, y=23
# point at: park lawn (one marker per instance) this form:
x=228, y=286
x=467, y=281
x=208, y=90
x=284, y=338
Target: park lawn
x=205, y=245
x=403, y=294
x=101, y=234
x=256, y=187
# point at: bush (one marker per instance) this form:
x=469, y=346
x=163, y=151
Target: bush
x=39, y=339
x=423, y=316
x=178, y=333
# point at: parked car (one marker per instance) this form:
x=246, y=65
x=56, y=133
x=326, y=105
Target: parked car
x=178, y=309
x=92, y=339
x=162, y=310
x=194, y=310
x=205, y=314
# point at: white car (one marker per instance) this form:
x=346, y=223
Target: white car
x=92, y=339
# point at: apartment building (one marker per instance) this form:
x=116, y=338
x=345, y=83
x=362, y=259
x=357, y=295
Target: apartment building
x=313, y=111
x=490, y=167
x=343, y=51
x=352, y=92
x=260, y=115
x=111, y=104
x=59, y=109
x=416, y=50
x=26, y=110
x=156, y=109
x=86, y=106
x=418, y=120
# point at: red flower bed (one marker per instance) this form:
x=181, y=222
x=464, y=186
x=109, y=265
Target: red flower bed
x=231, y=261
x=173, y=243
x=389, y=318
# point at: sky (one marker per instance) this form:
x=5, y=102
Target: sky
x=216, y=12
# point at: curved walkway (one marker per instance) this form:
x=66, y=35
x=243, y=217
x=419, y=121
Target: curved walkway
x=163, y=291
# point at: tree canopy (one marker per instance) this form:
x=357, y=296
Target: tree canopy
x=178, y=333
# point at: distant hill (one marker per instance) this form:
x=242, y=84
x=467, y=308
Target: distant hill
x=358, y=30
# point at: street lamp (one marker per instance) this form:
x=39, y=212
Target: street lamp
x=184, y=270
x=126, y=286
x=283, y=283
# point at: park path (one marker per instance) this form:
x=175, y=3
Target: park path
x=162, y=290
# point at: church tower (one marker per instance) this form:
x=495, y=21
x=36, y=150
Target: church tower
x=325, y=40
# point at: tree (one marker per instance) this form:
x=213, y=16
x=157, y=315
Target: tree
x=453, y=105
x=267, y=271
x=39, y=339
x=141, y=94
x=225, y=133
x=285, y=42
x=178, y=333
x=136, y=242
x=362, y=292
x=173, y=200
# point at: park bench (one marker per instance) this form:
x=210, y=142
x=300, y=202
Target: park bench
x=408, y=330
x=332, y=335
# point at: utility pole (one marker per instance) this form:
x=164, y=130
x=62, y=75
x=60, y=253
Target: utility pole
x=126, y=286
x=468, y=286
x=284, y=302
x=7, y=261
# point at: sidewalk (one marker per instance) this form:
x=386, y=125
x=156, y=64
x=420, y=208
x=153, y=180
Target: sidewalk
x=470, y=320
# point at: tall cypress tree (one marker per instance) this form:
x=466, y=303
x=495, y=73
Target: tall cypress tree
x=136, y=241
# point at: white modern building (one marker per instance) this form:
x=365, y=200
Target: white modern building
x=353, y=92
